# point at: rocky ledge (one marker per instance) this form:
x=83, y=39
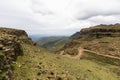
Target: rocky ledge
x=99, y=31
x=10, y=49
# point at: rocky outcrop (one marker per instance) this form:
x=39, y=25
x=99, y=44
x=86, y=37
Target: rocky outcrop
x=10, y=31
x=99, y=31
x=76, y=35
x=10, y=49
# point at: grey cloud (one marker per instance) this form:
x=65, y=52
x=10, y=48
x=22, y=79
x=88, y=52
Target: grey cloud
x=39, y=7
x=88, y=9
x=91, y=15
x=42, y=12
x=107, y=19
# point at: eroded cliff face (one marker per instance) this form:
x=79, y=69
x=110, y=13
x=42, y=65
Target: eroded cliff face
x=99, y=31
x=10, y=49
x=10, y=31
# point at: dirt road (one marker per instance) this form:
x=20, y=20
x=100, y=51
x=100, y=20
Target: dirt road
x=78, y=56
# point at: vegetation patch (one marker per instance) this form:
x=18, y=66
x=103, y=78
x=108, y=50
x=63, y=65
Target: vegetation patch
x=100, y=58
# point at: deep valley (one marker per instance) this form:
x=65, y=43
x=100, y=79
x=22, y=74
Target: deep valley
x=91, y=54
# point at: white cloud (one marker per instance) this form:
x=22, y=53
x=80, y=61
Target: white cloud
x=57, y=17
x=110, y=19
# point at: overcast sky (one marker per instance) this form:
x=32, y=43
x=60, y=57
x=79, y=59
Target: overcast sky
x=57, y=17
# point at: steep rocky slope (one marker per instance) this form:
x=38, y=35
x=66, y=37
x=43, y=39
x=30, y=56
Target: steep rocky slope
x=10, y=49
x=101, y=40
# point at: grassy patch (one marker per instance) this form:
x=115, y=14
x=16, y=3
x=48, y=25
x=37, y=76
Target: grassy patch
x=93, y=56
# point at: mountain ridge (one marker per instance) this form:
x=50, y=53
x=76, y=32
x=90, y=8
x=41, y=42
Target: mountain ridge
x=99, y=31
x=24, y=60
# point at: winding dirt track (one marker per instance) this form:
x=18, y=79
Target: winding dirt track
x=103, y=55
x=80, y=52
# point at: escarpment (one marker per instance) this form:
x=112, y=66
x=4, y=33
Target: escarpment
x=99, y=31
x=10, y=31
x=10, y=49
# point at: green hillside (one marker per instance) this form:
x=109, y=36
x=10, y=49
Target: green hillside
x=54, y=43
x=36, y=64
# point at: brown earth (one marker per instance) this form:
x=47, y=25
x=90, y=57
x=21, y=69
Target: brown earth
x=78, y=56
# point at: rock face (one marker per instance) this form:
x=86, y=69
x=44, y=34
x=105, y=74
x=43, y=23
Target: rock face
x=16, y=32
x=10, y=49
x=99, y=31
x=76, y=35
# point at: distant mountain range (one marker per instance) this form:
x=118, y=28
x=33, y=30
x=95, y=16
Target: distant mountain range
x=53, y=43
x=36, y=37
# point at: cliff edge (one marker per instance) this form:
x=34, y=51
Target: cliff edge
x=10, y=49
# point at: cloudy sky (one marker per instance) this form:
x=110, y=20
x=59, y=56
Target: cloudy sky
x=57, y=17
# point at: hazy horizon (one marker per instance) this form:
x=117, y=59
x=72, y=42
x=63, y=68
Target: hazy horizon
x=57, y=17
